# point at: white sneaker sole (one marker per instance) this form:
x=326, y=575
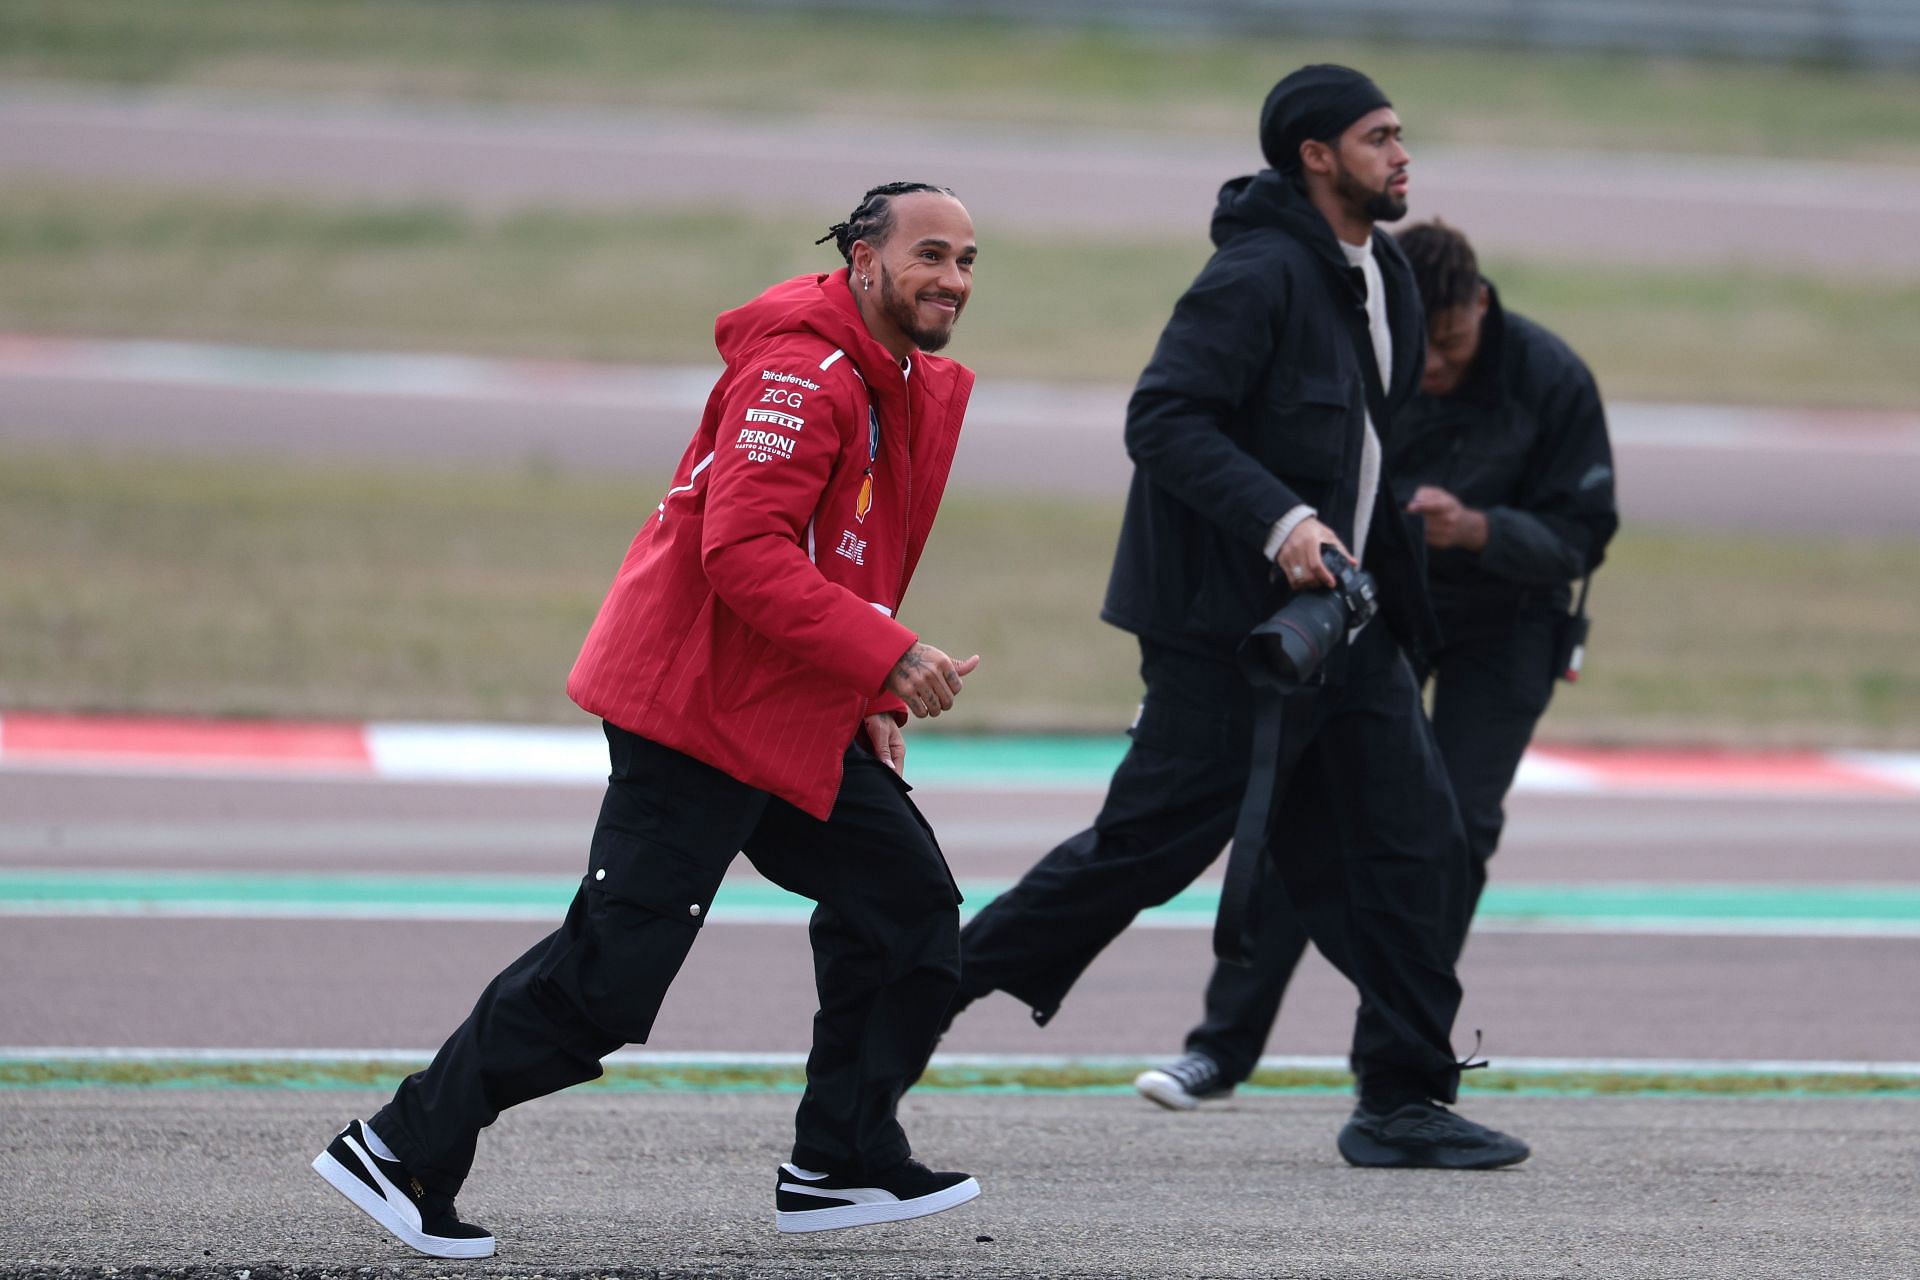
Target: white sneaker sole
x=1159, y=1087
x=793, y=1221
x=375, y=1206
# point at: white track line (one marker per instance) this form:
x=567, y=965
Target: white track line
x=647, y=1057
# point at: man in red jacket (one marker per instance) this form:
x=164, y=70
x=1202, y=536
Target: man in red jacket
x=753, y=681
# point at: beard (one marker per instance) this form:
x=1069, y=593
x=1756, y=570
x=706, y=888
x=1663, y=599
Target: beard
x=900, y=309
x=1375, y=206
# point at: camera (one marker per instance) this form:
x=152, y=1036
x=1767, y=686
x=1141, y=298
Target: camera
x=1289, y=647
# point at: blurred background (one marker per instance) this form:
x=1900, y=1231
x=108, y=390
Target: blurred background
x=343, y=345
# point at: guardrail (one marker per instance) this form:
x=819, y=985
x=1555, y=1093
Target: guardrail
x=1876, y=33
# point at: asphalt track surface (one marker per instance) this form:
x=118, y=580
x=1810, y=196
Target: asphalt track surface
x=213, y=1182
x=1672, y=210
x=214, y=1186
x=265, y=983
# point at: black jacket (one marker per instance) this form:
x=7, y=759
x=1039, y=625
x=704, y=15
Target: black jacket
x=1255, y=401
x=1523, y=439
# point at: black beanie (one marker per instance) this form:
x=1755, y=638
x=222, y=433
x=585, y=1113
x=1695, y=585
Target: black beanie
x=1316, y=104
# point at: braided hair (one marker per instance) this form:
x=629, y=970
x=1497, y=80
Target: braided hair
x=872, y=219
x=1444, y=268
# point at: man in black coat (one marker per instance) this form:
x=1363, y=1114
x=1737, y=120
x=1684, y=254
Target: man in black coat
x=1255, y=433
x=1504, y=455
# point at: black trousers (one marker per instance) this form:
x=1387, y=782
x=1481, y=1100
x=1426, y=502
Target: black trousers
x=1379, y=883
x=1489, y=692
x=885, y=936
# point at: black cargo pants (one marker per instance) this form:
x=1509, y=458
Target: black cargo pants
x=1382, y=897
x=1490, y=688
x=885, y=934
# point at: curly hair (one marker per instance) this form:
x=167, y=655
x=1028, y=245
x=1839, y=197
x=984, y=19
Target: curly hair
x=1444, y=267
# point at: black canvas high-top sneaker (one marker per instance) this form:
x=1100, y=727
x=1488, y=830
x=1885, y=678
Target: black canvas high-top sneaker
x=1185, y=1084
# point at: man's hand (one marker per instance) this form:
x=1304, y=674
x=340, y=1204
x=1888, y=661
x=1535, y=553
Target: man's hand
x=1450, y=522
x=927, y=680
x=1299, y=556
x=888, y=743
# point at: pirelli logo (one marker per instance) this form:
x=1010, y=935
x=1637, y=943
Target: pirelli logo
x=777, y=418
x=765, y=446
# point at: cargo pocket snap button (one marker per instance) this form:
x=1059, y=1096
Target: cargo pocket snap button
x=694, y=910
x=601, y=874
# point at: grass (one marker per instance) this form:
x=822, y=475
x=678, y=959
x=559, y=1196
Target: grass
x=644, y=287
x=236, y=587
x=951, y=72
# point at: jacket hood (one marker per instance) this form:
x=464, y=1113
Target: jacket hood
x=1486, y=383
x=818, y=304
x=1270, y=198
x=1273, y=199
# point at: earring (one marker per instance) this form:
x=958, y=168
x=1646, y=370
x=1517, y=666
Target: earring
x=866, y=283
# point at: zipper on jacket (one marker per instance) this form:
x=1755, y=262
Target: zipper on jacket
x=900, y=587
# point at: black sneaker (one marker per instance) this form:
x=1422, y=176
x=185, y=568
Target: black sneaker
x=1425, y=1135
x=386, y=1192
x=1184, y=1085
x=808, y=1201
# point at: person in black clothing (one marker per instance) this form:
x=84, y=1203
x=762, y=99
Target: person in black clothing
x=1504, y=456
x=1255, y=434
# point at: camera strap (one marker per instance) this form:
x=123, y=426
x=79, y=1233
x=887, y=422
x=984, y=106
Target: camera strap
x=1570, y=638
x=1232, y=928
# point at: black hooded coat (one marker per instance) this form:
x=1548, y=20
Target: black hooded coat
x=1254, y=402
x=1523, y=439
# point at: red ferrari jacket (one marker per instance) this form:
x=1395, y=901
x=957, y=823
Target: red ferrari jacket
x=751, y=625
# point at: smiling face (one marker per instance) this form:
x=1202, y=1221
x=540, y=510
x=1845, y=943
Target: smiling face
x=920, y=275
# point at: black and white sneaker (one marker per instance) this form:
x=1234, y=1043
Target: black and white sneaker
x=1184, y=1085
x=808, y=1201
x=385, y=1191
x=1425, y=1135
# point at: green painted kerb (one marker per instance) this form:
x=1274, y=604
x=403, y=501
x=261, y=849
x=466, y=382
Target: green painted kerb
x=1040, y=762
x=1892, y=908
x=626, y=1077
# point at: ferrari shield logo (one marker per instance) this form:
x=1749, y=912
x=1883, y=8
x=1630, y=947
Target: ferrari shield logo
x=864, y=503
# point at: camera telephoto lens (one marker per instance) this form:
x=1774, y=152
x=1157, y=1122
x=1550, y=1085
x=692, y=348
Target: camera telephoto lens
x=1289, y=647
